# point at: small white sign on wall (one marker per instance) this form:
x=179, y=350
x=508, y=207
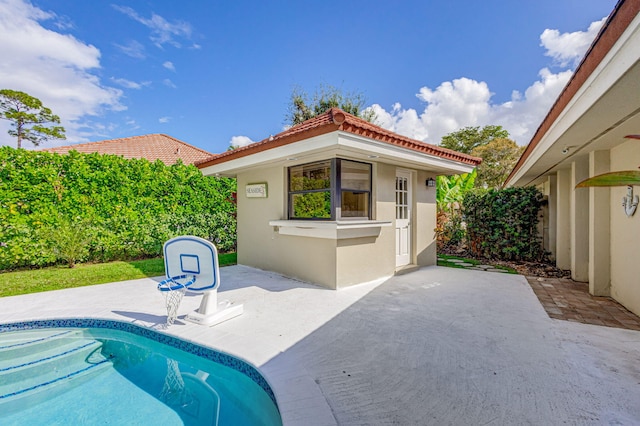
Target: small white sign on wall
x=256, y=190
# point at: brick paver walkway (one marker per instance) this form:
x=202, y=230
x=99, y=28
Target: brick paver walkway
x=569, y=300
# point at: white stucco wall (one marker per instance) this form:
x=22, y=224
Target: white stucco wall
x=260, y=246
x=625, y=233
x=363, y=260
x=333, y=263
x=425, y=220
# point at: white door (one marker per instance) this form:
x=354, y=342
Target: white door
x=403, y=218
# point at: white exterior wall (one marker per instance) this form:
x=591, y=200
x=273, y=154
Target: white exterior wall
x=563, y=219
x=579, y=221
x=332, y=263
x=261, y=246
x=425, y=220
x=599, y=224
x=625, y=233
x=553, y=215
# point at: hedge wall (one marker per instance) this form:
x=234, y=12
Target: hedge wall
x=503, y=224
x=94, y=207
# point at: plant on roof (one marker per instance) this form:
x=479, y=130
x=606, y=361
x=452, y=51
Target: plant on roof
x=302, y=107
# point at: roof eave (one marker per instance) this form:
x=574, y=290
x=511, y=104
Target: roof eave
x=617, y=23
x=342, y=144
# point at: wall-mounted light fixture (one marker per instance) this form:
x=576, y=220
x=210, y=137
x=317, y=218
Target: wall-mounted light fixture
x=630, y=202
x=431, y=183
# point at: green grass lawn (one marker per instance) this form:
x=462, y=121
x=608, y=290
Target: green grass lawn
x=445, y=262
x=60, y=277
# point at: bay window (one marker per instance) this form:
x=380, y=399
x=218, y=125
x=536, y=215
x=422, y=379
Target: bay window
x=330, y=190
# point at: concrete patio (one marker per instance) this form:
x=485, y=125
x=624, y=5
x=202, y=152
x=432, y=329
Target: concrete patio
x=437, y=346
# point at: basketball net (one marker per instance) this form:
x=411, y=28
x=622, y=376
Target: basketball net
x=172, y=299
x=173, y=293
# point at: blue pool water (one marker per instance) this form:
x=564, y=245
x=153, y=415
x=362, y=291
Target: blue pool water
x=90, y=372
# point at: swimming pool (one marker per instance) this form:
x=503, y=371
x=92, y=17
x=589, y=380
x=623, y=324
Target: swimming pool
x=87, y=371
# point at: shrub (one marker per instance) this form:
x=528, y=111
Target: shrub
x=68, y=240
x=133, y=206
x=503, y=224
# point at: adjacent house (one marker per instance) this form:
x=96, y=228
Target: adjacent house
x=589, y=131
x=152, y=147
x=336, y=200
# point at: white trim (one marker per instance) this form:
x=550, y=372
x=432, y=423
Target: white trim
x=338, y=140
x=338, y=230
x=382, y=149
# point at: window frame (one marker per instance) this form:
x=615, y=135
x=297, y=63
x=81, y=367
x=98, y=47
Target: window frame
x=335, y=191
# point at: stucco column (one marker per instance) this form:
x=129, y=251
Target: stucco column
x=579, y=221
x=599, y=233
x=563, y=221
x=553, y=213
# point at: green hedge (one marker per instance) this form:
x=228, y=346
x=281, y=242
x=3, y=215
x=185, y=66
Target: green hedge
x=503, y=224
x=91, y=207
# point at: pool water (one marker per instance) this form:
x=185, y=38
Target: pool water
x=91, y=376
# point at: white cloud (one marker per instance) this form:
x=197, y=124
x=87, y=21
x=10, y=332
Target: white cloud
x=133, y=48
x=162, y=31
x=164, y=119
x=466, y=102
x=569, y=48
x=56, y=68
x=240, y=141
x=167, y=82
x=169, y=65
x=128, y=84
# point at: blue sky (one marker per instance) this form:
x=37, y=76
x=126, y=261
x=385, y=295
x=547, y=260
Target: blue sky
x=212, y=72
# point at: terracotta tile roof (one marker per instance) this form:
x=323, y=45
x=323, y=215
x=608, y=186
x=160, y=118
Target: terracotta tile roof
x=618, y=21
x=152, y=147
x=333, y=120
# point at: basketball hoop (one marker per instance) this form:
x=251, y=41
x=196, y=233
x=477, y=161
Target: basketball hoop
x=197, y=258
x=174, y=291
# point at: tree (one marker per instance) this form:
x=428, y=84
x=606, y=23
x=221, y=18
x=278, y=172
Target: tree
x=499, y=156
x=450, y=192
x=465, y=140
x=301, y=107
x=29, y=118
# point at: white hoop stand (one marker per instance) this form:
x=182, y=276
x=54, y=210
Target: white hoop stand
x=197, y=256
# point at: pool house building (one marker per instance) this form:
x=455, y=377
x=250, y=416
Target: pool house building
x=336, y=200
